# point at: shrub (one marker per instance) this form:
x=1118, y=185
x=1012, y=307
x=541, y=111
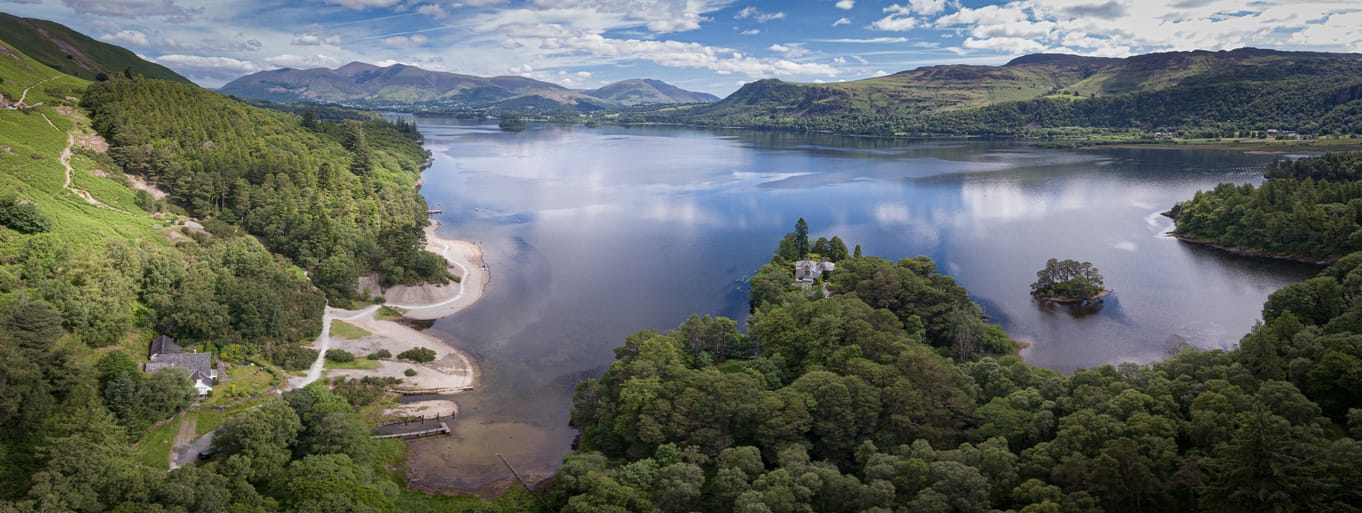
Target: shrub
x=22, y=216
x=380, y=354
x=292, y=357
x=419, y=354
x=410, y=372
x=340, y=355
x=360, y=392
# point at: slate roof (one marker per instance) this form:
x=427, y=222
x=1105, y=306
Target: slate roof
x=201, y=363
x=806, y=271
x=164, y=345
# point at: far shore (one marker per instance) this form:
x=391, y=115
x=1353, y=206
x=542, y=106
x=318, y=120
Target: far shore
x=452, y=371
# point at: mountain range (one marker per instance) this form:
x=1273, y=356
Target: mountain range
x=358, y=83
x=1217, y=92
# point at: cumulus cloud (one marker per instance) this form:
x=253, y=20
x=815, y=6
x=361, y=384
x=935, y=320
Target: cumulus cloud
x=899, y=19
x=205, y=67
x=750, y=32
x=132, y=8
x=926, y=7
x=677, y=54
x=433, y=11
x=841, y=21
x=127, y=38
x=846, y=5
x=1122, y=27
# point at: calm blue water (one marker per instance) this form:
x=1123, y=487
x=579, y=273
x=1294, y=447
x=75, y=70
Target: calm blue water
x=594, y=233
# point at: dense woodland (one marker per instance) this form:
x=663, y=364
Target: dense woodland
x=338, y=199
x=871, y=400
x=1309, y=208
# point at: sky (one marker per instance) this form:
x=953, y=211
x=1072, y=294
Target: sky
x=705, y=45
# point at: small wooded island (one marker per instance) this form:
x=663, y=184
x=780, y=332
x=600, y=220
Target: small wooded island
x=512, y=124
x=1068, y=282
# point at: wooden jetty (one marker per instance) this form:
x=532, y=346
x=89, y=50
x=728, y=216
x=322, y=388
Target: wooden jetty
x=439, y=431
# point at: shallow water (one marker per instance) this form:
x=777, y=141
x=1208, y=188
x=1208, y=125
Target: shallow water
x=594, y=233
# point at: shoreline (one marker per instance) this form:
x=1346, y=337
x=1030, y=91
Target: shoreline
x=453, y=369
x=1249, y=252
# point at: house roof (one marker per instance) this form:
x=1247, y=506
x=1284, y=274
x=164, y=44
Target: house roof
x=193, y=362
x=164, y=345
x=808, y=270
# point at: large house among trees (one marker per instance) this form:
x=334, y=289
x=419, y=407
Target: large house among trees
x=808, y=271
x=164, y=352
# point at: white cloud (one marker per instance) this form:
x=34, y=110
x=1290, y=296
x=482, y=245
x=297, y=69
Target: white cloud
x=404, y=41
x=761, y=17
x=926, y=7
x=792, y=50
x=899, y=19
x=846, y=5
x=1012, y=45
x=127, y=38
x=676, y=54
x=750, y=32
x=207, y=66
x=433, y=11
x=302, y=61
x=842, y=21
x=1338, y=30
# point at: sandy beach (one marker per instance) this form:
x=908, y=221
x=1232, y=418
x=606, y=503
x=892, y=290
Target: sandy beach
x=452, y=371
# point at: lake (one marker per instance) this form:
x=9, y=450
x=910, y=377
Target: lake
x=595, y=233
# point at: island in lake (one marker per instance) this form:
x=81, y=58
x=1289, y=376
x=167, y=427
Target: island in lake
x=1068, y=282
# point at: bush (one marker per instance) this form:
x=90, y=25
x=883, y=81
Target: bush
x=292, y=357
x=410, y=372
x=380, y=354
x=419, y=354
x=340, y=355
x=361, y=392
x=22, y=217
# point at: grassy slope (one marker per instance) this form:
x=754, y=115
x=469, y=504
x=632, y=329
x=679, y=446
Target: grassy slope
x=32, y=169
x=946, y=89
x=50, y=43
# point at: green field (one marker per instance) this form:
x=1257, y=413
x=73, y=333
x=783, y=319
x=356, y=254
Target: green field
x=349, y=331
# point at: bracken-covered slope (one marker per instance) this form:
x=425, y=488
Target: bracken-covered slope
x=1245, y=89
x=363, y=84
x=73, y=53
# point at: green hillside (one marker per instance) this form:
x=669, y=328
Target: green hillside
x=32, y=140
x=73, y=53
x=1203, y=92
x=338, y=199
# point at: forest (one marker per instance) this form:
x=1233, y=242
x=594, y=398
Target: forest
x=339, y=199
x=886, y=396
x=1309, y=208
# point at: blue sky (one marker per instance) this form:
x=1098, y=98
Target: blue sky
x=706, y=45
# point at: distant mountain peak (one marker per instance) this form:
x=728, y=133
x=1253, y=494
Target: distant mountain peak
x=364, y=83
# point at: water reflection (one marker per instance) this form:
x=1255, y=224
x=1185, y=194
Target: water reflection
x=593, y=234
